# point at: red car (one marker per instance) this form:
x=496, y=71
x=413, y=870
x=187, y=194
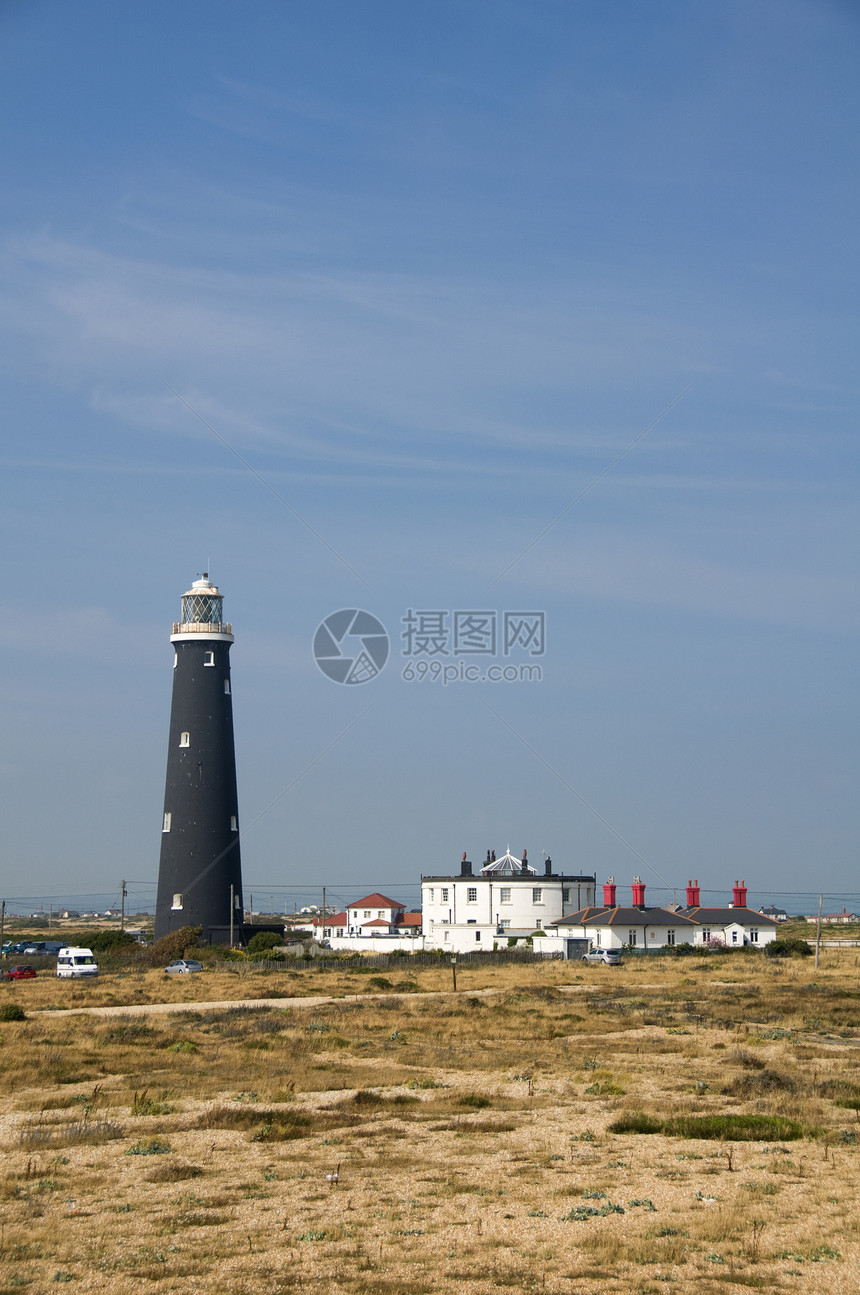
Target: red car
x=19, y=973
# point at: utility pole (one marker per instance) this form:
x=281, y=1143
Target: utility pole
x=322, y=939
x=50, y=918
x=251, y=910
x=122, y=894
x=232, y=910
x=818, y=930
x=2, y=921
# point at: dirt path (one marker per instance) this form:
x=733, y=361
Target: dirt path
x=156, y=1009
x=318, y=1000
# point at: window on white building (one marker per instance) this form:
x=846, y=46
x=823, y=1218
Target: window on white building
x=539, y=925
x=734, y=937
x=430, y=895
x=670, y=937
x=631, y=939
x=505, y=923
x=504, y=894
x=444, y=894
x=472, y=895
x=565, y=895
x=706, y=935
x=753, y=936
x=446, y=936
x=477, y=935
x=367, y=912
x=537, y=893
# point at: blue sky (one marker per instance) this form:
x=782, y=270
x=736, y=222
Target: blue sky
x=429, y=269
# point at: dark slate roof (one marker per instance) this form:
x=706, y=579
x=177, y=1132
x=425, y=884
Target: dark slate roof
x=626, y=917
x=723, y=916
x=581, y=915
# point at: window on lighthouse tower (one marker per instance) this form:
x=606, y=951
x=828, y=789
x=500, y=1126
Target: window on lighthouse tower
x=177, y=901
x=209, y=658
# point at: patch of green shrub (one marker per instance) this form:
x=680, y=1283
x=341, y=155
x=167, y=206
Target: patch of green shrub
x=149, y=1147
x=788, y=949
x=727, y=1128
x=12, y=1012
x=263, y=941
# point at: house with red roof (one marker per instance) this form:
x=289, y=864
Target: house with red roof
x=374, y=917
x=379, y=914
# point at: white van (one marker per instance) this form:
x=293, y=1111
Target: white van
x=76, y=962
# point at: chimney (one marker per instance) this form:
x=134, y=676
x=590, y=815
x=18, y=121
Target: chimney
x=547, y=866
x=465, y=866
x=739, y=895
x=638, y=892
x=609, y=893
x=693, y=900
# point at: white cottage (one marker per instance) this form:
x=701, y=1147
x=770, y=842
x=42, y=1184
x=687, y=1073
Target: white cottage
x=641, y=927
x=506, y=900
x=638, y=926
x=735, y=925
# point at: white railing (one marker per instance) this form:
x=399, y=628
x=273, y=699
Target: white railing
x=202, y=627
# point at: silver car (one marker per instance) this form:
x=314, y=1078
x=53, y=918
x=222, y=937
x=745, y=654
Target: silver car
x=611, y=957
x=183, y=967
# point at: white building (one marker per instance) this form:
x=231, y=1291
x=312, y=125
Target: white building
x=506, y=900
x=373, y=924
x=640, y=927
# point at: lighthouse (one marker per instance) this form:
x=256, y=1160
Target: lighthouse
x=200, y=874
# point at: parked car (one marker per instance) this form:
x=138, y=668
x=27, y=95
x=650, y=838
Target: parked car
x=75, y=963
x=19, y=973
x=611, y=957
x=183, y=967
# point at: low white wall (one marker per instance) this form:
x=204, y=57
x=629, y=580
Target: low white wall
x=377, y=944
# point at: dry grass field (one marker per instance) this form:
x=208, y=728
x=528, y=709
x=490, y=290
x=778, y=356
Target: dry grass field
x=410, y=1141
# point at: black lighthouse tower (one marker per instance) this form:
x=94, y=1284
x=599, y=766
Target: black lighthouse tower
x=200, y=874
